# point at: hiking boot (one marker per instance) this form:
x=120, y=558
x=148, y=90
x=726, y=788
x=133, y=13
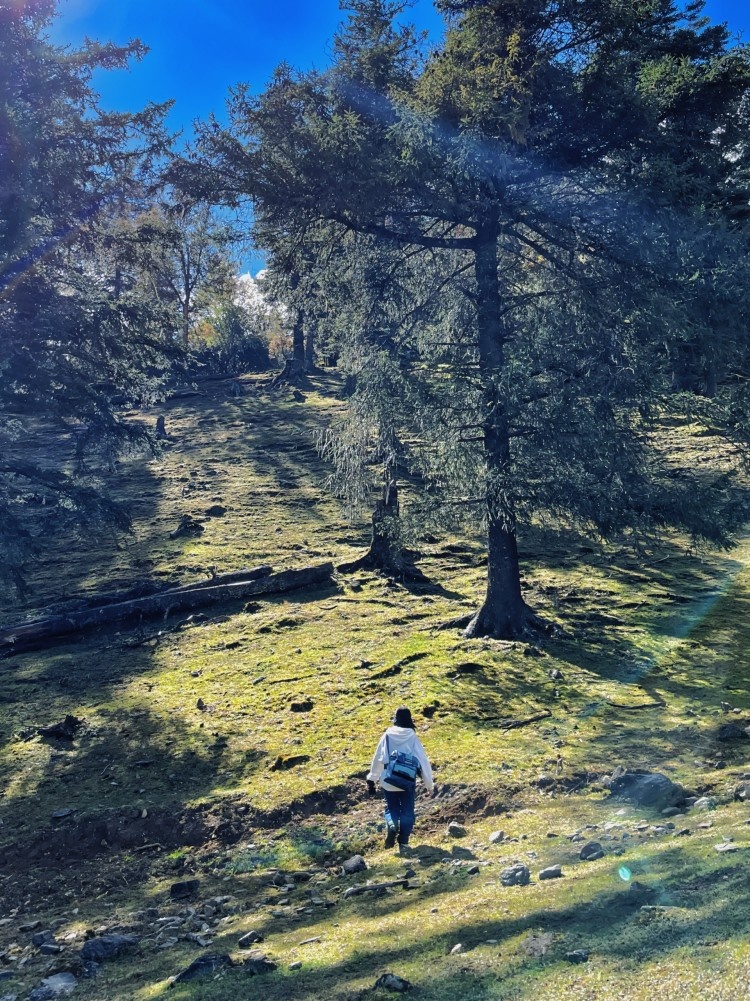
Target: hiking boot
x=390, y=838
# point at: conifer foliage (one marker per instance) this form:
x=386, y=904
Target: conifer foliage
x=538, y=213
x=74, y=328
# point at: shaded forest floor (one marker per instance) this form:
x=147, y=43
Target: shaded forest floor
x=230, y=747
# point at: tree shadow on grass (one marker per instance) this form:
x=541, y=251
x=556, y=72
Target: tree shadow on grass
x=609, y=924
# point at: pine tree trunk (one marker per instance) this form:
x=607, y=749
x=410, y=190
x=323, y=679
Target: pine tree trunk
x=298, y=339
x=381, y=555
x=185, y=324
x=504, y=613
x=309, y=346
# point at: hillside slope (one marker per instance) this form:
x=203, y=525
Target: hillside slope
x=231, y=746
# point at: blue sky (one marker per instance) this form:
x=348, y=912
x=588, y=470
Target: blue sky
x=200, y=48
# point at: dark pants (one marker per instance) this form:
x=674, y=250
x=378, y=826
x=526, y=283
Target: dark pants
x=399, y=813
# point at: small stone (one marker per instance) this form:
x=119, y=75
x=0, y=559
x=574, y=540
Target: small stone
x=457, y=948
x=50, y=948
x=249, y=938
x=391, y=982
x=551, y=872
x=42, y=938
x=726, y=846
x=456, y=830
x=107, y=947
x=296, y=965
x=670, y=811
x=496, y=837
x=62, y=813
x=515, y=875
x=60, y=983
x=354, y=864
x=186, y=888
x=649, y=789
x=706, y=803
x=472, y=870
x=204, y=966
x=29, y=926
x=591, y=852
x=303, y=706
x=577, y=956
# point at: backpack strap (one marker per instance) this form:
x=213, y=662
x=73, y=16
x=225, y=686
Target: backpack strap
x=387, y=749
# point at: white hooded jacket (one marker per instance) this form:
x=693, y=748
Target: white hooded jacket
x=400, y=738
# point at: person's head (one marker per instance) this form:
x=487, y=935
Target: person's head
x=402, y=717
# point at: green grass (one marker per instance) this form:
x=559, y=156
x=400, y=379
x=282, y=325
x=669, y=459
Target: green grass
x=653, y=646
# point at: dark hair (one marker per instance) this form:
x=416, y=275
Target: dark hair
x=402, y=717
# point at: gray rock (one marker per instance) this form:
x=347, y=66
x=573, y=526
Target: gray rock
x=182, y=890
x=50, y=948
x=551, y=872
x=60, y=983
x=456, y=830
x=706, y=803
x=62, y=813
x=457, y=949
x=649, y=789
x=256, y=963
x=30, y=926
x=354, y=864
x=249, y=938
x=297, y=965
x=107, y=947
x=742, y=792
x=204, y=966
x=391, y=982
x=42, y=994
x=670, y=811
x=577, y=956
x=496, y=837
x=515, y=875
x=42, y=937
x=591, y=852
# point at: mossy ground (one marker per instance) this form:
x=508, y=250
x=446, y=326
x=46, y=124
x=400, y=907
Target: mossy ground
x=653, y=645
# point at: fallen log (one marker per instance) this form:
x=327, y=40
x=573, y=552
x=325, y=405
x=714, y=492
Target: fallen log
x=355, y=891
x=145, y=588
x=30, y=635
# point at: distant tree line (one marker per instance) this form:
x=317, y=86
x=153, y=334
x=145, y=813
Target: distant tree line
x=108, y=280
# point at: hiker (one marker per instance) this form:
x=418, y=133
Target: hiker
x=398, y=759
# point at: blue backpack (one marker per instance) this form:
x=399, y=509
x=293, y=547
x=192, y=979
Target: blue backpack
x=401, y=769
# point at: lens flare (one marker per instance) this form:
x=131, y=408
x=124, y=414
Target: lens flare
x=624, y=873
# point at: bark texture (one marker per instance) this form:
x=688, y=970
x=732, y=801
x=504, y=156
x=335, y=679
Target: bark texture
x=32, y=635
x=504, y=613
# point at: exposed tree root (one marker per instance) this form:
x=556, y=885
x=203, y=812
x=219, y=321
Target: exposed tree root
x=517, y=624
